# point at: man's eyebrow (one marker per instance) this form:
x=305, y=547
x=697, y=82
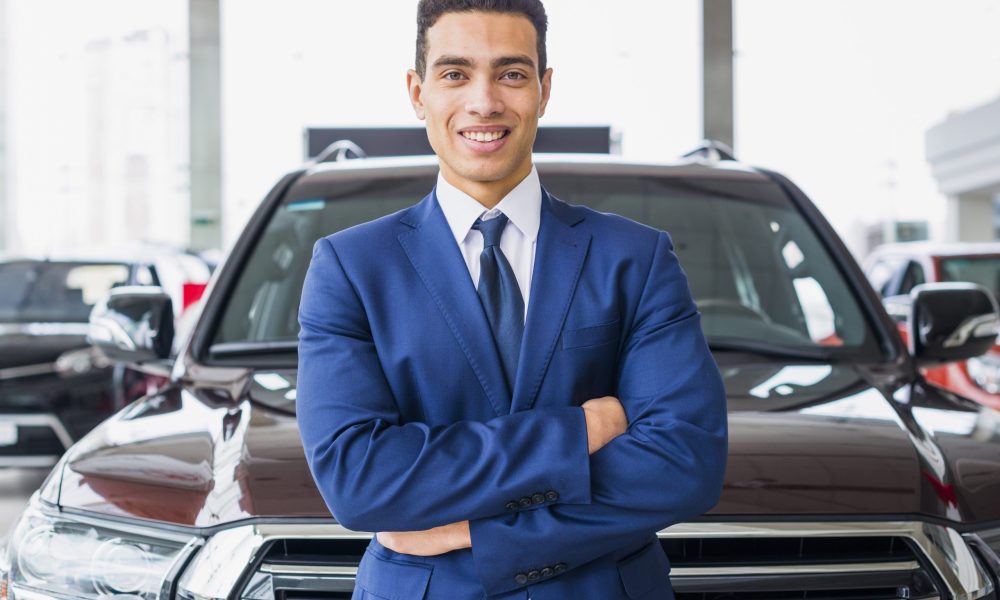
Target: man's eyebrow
x=506, y=61
x=452, y=61
x=503, y=61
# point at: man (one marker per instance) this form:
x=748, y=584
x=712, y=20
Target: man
x=512, y=391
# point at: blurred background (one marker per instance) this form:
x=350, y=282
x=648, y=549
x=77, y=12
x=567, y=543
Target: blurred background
x=166, y=121
x=138, y=136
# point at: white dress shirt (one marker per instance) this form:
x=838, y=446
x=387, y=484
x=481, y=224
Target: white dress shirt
x=523, y=206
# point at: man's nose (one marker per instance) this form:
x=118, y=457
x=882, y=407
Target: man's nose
x=484, y=100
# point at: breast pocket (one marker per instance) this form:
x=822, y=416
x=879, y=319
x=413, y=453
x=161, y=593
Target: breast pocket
x=594, y=335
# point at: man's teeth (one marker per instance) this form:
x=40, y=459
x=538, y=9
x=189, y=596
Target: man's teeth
x=482, y=136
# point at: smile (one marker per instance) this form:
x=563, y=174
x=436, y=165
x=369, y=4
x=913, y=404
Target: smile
x=485, y=136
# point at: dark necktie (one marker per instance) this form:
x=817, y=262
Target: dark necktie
x=500, y=295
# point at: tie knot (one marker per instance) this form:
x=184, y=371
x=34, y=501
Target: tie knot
x=491, y=229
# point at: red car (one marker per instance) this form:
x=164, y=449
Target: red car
x=895, y=269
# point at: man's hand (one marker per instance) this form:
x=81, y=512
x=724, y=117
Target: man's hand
x=606, y=420
x=430, y=542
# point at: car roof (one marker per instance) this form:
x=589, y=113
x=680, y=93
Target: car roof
x=547, y=163
x=937, y=249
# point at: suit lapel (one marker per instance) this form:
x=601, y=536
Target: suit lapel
x=431, y=248
x=559, y=259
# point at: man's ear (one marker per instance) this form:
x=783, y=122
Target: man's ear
x=414, y=85
x=546, y=90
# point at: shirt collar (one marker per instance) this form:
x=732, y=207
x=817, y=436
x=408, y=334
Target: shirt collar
x=523, y=206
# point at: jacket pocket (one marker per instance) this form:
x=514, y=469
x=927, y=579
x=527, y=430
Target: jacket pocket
x=595, y=335
x=645, y=575
x=392, y=579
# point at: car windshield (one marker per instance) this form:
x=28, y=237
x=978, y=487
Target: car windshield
x=43, y=291
x=759, y=274
x=984, y=270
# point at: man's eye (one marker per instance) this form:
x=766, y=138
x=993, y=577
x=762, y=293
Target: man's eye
x=453, y=75
x=514, y=75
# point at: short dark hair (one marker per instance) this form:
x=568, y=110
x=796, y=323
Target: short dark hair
x=429, y=11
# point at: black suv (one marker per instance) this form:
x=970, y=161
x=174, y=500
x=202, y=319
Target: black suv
x=54, y=386
x=848, y=476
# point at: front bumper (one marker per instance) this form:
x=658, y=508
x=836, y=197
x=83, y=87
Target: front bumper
x=937, y=561
x=873, y=560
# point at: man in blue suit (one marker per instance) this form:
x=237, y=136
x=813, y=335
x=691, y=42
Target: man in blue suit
x=514, y=392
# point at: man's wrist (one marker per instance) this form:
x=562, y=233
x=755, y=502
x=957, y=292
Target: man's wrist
x=462, y=537
x=593, y=422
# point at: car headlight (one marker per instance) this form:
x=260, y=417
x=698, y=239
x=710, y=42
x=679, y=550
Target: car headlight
x=57, y=555
x=985, y=371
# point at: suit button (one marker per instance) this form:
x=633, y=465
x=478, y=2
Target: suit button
x=521, y=579
x=559, y=568
x=512, y=505
x=547, y=572
x=533, y=575
x=551, y=496
x=524, y=502
x=538, y=498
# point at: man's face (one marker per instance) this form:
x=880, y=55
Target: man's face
x=481, y=97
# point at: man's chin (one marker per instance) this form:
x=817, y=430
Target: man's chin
x=489, y=171
x=483, y=174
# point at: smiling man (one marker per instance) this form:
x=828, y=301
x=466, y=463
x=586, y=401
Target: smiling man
x=482, y=93
x=514, y=392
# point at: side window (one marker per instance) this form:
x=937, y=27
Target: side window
x=145, y=276
x=913, y=276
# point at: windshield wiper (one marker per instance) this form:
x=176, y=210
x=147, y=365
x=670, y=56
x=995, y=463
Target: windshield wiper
x=234, y=349
x=730, y=344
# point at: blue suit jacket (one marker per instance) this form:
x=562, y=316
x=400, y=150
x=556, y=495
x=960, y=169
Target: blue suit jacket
x=408, y=423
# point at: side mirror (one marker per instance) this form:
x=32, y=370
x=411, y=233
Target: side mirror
x=133, y=324
x=946, y=322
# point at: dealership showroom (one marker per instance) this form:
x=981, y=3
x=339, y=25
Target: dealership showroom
x=499, y=299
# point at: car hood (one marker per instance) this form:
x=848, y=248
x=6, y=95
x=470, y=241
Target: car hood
x=20, y=346
x=805, y=440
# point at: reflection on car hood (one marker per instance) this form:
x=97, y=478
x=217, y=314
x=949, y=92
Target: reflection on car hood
x=810, y=440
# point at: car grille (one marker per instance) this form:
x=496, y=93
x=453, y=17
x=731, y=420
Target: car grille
x=306, y=570
x=718, y=568
x=802, y=568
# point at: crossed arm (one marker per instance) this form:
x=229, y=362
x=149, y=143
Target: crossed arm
x=605, y=420
x=379, y=475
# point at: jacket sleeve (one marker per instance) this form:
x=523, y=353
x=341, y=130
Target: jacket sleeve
x=667, y=468
x=377, y=473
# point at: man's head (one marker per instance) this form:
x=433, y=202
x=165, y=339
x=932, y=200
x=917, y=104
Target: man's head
x=429, y=11
x=481, y=84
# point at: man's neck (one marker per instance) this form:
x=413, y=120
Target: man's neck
x=487, y=193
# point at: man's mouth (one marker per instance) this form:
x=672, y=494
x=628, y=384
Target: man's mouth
x=485, y=136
